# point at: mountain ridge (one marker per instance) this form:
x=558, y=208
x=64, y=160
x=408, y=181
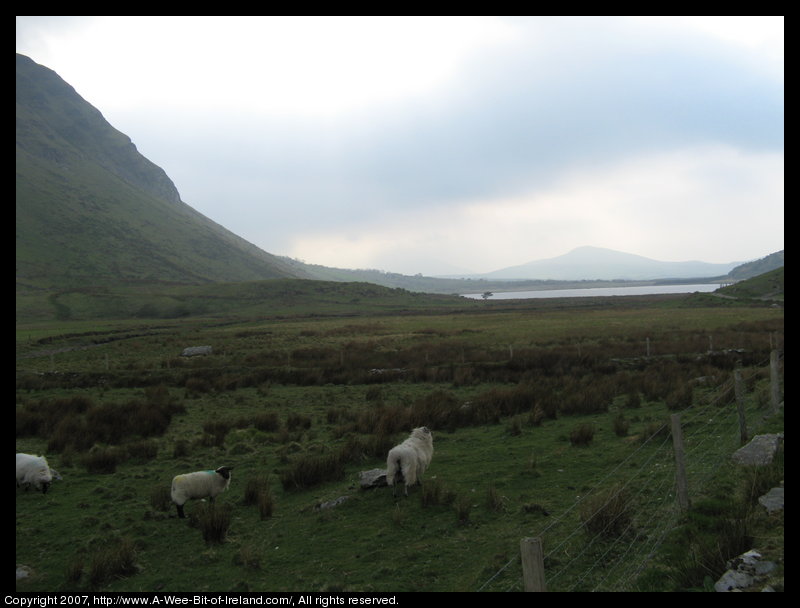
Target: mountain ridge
x=598, y=263
x=91, y=209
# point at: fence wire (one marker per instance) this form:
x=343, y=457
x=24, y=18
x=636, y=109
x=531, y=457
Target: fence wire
x=611, y=556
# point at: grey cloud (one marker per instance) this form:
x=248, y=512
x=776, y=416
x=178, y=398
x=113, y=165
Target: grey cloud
x=602, y=93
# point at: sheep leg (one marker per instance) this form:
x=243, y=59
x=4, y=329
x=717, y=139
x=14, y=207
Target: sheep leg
x=398, y=477
x=180, y=512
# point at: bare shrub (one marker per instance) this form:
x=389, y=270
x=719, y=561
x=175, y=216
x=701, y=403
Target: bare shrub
x=633, y=400
x=142, y=450
x=214, y=520
x=679, y=398
x=374, y=393
x=253, y=487
x=360, y=447
x=180, y=449
x=536, y=416
x=582, y=435
x=160, y=498
x=494, y=501
x=308, y=471
x=514, y=426
x=267, y=421
x=296, y=421
x=462, y=506
x=654, y=429
x=104, y=460
x=248, y=557
x=113, y=559
x=216, y=430
x=607, y=513
x=620, y=425
x=435, y=493
x=74, y=569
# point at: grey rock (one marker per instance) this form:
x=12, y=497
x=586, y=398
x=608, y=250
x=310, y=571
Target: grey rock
x=23, y=572
x=760, y=451
x=772, y=500
x=331, y=503
x=373, y=478
x=193, y=351
x=733, y=580
x=744, y=571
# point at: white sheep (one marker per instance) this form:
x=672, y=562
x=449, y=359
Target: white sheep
x=200, y=484
x=34, y=471
x=407, y=462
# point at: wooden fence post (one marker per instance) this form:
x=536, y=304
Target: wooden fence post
x=532, y=564
x=680, y=465
x=775, y=384
x=738, y=389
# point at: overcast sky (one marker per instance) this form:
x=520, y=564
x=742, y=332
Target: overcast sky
x=442, y=144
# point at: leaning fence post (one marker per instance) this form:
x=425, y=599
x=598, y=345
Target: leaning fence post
x=738, y=389
x=532, y=564
x=775, y=385
x=680, y=466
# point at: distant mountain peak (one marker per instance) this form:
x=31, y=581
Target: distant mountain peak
x=590, y=262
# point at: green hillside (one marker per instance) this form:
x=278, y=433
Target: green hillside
x=91, y=209
x=758, y=267
x=767, y=286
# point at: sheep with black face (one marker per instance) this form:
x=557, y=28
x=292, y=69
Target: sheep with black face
x=200, y=484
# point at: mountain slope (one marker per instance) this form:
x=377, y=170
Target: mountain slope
x=91, y=209
x=758, y=267
x=766, y=286
x=605, y=264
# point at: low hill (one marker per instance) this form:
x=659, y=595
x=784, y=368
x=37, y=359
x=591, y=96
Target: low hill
x=766, y=286
x=585, y=263
x=757, y=267
x=258, y=299
x=90, y=209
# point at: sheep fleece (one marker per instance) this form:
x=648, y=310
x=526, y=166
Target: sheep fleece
x=411, y=457
x=33, y=470
x=200, y=484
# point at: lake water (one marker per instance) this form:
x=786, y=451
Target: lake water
x=640, y=290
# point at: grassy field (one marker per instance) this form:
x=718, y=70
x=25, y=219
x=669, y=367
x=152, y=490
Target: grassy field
x=537, y=409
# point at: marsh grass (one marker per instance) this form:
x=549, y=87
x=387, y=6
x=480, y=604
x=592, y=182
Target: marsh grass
x=213, y=520
x=436, y=493
x=115, y=558
x=608, y=513
x=307, y=471
x=459, y=379
x=582, y=435
x=257, y=492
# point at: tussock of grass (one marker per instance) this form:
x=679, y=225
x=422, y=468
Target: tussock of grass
x=608, y=513
x=298, y=403
x=113, y=559
x=213, y=519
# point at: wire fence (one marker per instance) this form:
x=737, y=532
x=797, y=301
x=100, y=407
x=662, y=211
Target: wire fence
x=638, y=496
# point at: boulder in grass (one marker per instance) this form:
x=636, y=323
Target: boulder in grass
x=374, y=478
x=760, y=451
x=193, y=351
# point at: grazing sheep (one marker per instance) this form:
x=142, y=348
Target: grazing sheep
x=33, y=471
x=408, y=461
x=201, y=484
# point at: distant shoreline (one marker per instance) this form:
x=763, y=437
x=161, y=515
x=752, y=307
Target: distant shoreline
x=645, y=288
